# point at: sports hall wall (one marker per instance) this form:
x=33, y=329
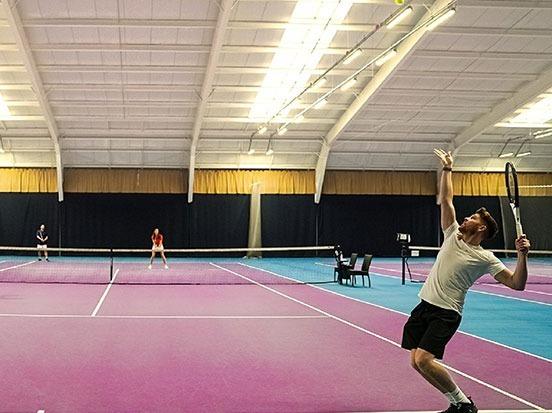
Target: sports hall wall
x=362, y=211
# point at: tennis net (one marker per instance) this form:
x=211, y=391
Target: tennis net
x=420, y=259
x=224, y=266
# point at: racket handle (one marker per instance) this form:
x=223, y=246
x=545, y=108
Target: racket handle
x=517, y=220
x=519, y=229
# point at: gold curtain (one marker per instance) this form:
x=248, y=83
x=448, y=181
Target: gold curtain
x=28, y=180
x=137, y=181
x=425, y=183
x=492, y=184
x=218, y=181
x=478, y=184
x=379, y=182
x=175, y=181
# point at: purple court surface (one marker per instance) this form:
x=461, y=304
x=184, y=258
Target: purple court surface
x=243, y=347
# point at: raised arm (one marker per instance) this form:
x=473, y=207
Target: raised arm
x=446, y=193
x=517, y=279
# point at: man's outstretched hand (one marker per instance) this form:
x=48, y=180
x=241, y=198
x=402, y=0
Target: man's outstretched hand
x=444, y=157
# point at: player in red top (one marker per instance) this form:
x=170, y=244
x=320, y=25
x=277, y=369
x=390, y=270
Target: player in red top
x=157, y=239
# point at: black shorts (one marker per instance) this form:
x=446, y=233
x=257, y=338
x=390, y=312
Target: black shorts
x=430, y=328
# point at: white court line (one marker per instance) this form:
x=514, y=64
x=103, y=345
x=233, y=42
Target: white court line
x=105, y=294
x=507, y=288
x=480, y=411
x=405, y=314
x=474, y=290
x=513, y=298
x=42, y=411
x=476, y=284
x=169, y=317
x=17, y=266
x=3, y=261
x=483, y=383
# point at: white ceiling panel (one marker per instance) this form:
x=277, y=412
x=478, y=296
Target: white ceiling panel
x=82, y=8
x=124, y=80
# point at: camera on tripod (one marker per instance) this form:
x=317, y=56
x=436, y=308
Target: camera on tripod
x=404, y=240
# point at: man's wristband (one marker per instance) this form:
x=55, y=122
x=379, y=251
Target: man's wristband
x=447, y=168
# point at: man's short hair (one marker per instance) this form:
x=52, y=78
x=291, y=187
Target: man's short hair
x=489, y=221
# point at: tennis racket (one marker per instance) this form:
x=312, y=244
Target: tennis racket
x=512, y=189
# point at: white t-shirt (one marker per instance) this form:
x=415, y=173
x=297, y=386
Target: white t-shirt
x=457, y=267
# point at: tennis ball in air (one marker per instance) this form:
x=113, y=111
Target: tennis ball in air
x=399, y=2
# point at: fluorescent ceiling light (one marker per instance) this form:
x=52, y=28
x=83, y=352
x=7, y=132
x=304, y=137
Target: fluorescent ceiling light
x=523, y=125
x=321, y=104
x=4, y=110
x=299, y=119
x=352, y=56
x=262, y=130
x=269, y=152
x=439, y=20
x=386, y=57
x=251, y=151
x=522, y=154
x=543, y=134
x=506, y=155
x=349, y=84
x=399, y=17
x=282, y=131
x=536, y=114
x=304, y=42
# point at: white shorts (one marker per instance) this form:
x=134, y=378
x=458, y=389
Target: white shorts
x=41, y=247
x=157, y=248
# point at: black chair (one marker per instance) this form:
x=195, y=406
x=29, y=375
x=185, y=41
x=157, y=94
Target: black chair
x=364, y=271
x=341, y=270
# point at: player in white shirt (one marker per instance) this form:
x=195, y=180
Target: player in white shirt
x=460, y=262
x=42, y=242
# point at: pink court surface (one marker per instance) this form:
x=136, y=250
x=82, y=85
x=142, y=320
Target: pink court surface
x=248, y=347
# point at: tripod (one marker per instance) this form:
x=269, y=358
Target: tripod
x=405, y=254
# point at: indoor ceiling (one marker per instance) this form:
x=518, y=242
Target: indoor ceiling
x=174, y=84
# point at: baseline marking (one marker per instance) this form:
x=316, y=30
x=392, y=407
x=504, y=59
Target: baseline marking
x=481, y=411
x=169, y=317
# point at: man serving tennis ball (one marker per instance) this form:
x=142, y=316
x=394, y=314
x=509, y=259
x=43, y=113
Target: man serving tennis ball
x=460, y=262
